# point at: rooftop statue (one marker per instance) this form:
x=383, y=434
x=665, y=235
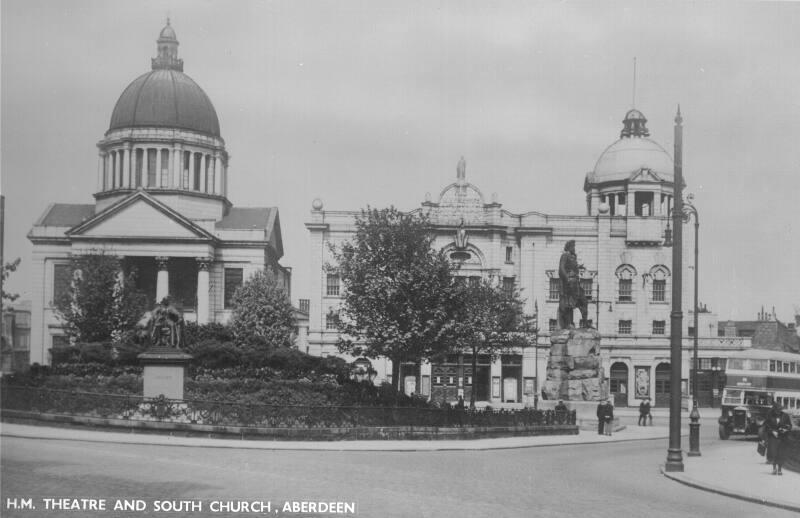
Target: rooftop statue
x=571, y=295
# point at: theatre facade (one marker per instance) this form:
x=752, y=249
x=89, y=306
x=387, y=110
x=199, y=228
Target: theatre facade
x=627, y=278
x=161, y=204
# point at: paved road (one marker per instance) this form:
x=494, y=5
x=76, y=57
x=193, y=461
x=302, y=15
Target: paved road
x=620, y=479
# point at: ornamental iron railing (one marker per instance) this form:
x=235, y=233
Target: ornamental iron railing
x=232, y=413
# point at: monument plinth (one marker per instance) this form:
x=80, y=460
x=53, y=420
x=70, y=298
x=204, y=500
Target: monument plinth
x=164, y=371
x=574, y=371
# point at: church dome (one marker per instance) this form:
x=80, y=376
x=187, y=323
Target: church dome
x=633, y=152
x=165, y=97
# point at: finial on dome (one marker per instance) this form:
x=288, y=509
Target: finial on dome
x=461, y=170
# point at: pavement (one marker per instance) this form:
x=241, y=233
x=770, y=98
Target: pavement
x=731, y=468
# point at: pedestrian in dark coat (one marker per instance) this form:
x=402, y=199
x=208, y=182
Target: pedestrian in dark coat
x=777, y=428
x=600, y=416
x=642, y=413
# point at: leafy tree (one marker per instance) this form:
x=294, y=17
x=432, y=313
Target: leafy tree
x=263, y=317
x=8, y=269
x=396, y=293
x=101, y=303
x=487, y=319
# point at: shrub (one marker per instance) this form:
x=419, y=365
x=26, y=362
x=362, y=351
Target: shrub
x=194, y=333
x=263, y=316
x=211, y=354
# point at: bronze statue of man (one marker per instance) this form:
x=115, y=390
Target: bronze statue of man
x=571, y=295
x=167, y=324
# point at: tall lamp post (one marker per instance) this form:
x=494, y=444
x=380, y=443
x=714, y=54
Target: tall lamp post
x=690, y=210
x=674, y=455
x=694, y=416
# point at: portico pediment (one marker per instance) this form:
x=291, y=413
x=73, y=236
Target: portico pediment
x=140, y=216
x=645, y=175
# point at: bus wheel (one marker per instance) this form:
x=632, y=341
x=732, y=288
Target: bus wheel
x=724, y=433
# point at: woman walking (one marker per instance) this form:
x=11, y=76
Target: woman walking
x=777, y=428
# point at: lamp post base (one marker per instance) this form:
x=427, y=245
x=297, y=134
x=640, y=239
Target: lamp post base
x=694, y=432
x=674, y=461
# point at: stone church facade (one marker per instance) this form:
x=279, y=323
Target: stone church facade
x=626, y=277
x=161, y=203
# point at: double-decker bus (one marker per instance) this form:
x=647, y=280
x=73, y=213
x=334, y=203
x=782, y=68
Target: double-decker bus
x=756, y=378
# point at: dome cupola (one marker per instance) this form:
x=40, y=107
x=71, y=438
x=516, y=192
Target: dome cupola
x=164, y=137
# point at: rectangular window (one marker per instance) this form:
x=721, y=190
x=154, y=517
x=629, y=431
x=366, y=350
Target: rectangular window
x=61, y=281
x=625, y=327
x=139, y=166
x=508, y=286
x=151, y=167
x=164, y=168
x=233, y=281
x=509, y=254
x=332, y=321
x=187, y=155
x=555, y=289
x=659, y=290
x=690, y=331
x=587, y=285
x=305, y=305
x=772, y=365
x=625, y=290
x=659, y=327
x=474, y=281
x=196, y=176
x=332, y=285
x=553, y=325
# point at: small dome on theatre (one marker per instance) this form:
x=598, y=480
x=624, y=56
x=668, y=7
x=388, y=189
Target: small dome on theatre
x=633, y=152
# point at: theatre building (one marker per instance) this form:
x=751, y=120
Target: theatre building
x=161, y=203
x=627, y=277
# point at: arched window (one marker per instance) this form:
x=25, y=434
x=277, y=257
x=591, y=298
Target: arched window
x=658, y=276
x=625, y=275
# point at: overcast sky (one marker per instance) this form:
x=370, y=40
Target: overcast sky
x=369, y=102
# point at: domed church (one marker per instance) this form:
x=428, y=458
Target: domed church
x=627, y=280
x=161, y=203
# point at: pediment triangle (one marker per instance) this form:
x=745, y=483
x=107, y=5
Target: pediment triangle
x=645, y=175
x=140, y=219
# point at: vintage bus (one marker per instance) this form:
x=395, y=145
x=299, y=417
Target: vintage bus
x=756, y=378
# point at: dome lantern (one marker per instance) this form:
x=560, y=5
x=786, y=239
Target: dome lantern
x=634, y=125
x=167, y=44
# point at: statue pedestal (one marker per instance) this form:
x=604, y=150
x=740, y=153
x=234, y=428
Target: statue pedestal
x=574, y=371
x=164, y=372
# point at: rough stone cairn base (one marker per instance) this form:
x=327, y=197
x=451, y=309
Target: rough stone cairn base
x=573, y=368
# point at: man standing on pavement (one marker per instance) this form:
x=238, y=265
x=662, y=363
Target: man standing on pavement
x=601, y=411
x=644, y=412
x=777, y=428
x=608, y=417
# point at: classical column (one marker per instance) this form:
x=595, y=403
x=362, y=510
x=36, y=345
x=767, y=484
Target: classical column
x=101, y=171
x=126, y=165
x=203, y=287
x=217, y=173
x=162, y=281
x=203, y=172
